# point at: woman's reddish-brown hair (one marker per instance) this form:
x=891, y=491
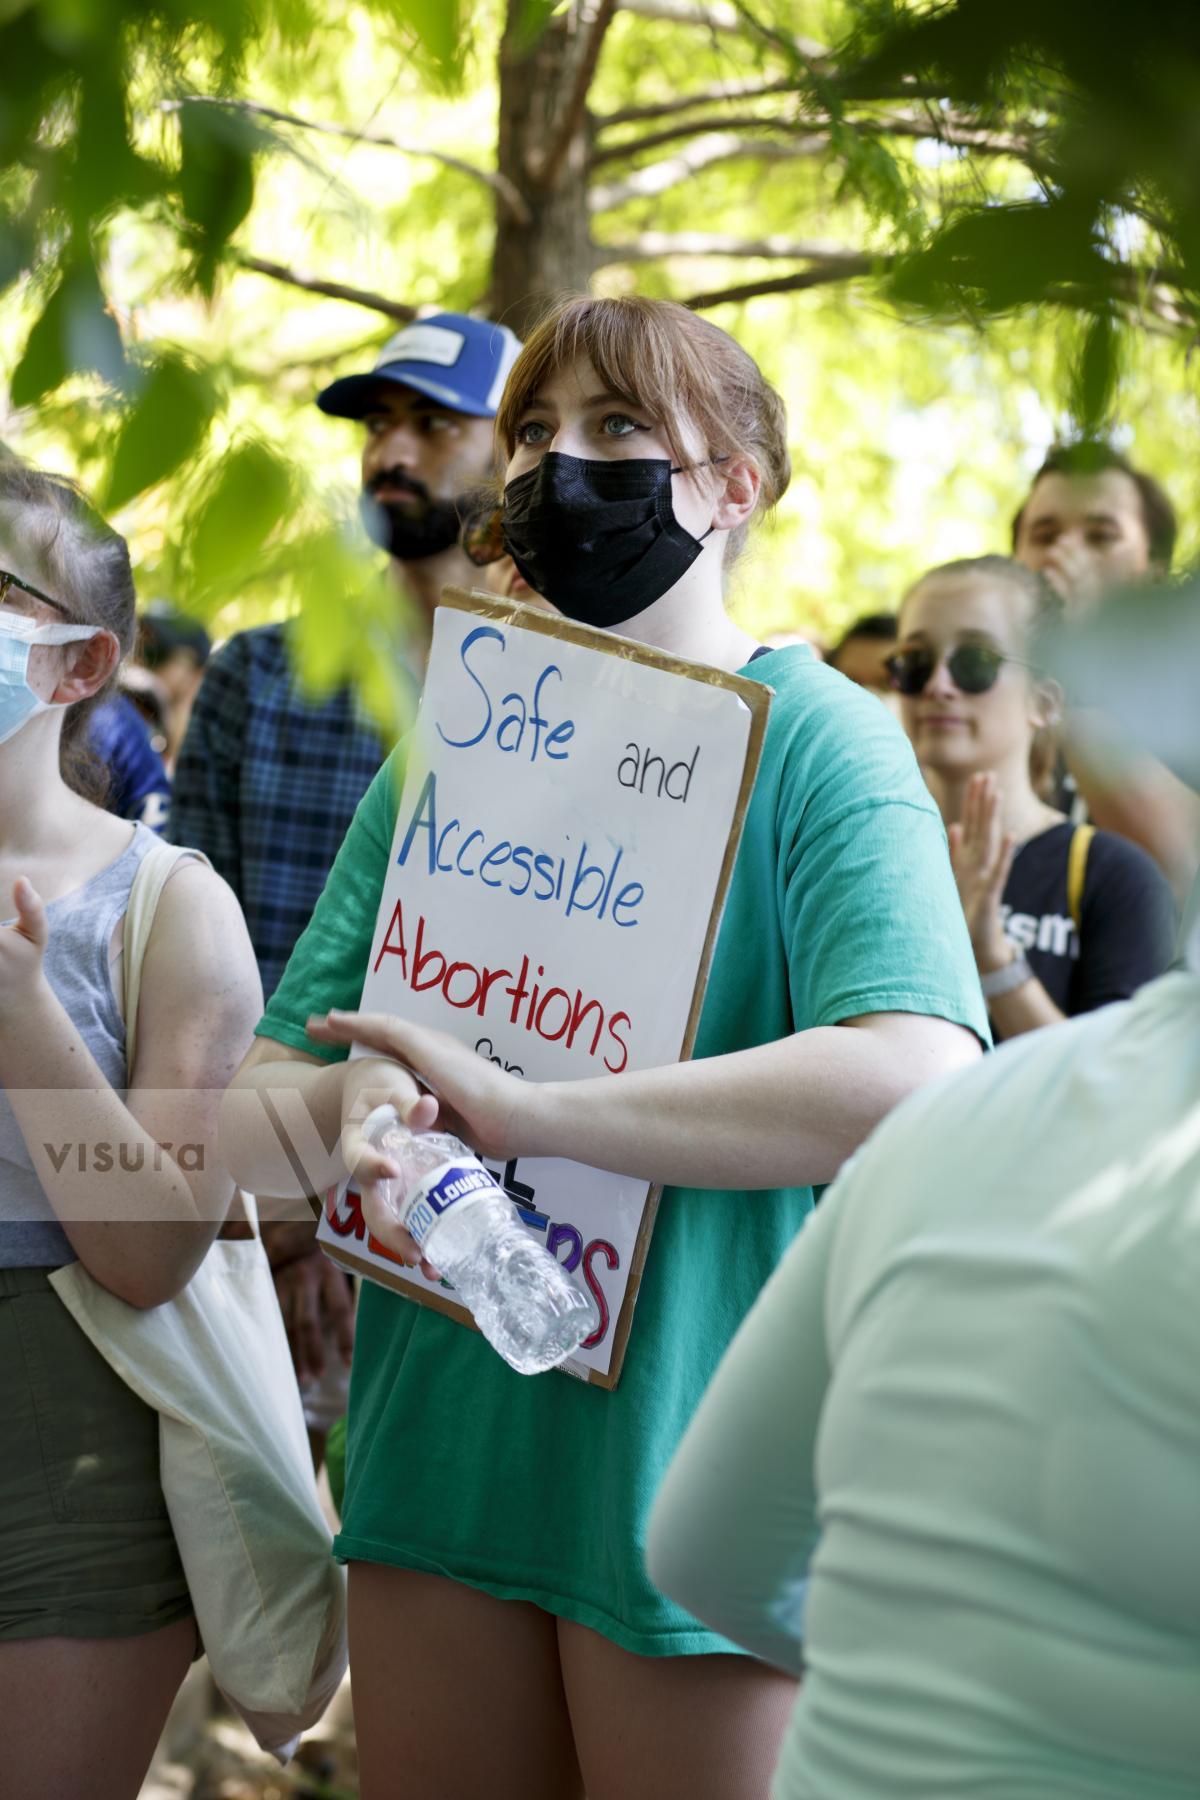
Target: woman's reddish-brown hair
x=690, y=377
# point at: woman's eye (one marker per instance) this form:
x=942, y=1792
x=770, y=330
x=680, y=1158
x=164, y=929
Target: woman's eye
x=620, y=425
x=533, y=431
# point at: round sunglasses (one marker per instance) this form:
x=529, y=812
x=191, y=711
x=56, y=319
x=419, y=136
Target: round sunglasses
x=973, y=668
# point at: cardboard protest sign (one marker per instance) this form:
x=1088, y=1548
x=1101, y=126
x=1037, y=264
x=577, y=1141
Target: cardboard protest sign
x=571, y=810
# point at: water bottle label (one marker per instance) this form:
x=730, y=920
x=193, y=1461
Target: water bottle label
x=450, y=1184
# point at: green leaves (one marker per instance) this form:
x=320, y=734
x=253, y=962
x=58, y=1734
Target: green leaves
x=532, y=18
x=251, y=493
x=75, y=333
x=216, y=179
x=440, y=30
x=998, y=258
x=1096, y=374
x=166, y=426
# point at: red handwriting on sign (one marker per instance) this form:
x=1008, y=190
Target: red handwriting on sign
x=598, y=1247
x=550, y=1012
x=347, y=1221
x=345, y=1218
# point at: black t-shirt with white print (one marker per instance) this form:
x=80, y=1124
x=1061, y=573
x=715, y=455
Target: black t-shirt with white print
x=1128, y=919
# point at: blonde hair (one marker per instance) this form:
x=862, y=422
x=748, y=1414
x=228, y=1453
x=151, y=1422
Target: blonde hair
x=670, y=364
x=1043, y=603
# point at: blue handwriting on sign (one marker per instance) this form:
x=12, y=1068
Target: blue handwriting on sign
x=520, y=726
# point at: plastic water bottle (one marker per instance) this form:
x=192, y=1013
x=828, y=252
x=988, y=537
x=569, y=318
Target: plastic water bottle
x=525, y=1303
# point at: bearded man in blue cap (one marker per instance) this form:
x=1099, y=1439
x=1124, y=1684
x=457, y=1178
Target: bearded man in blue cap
x=267, y=779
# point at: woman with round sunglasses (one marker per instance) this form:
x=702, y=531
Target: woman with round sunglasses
x=505, y=1636
x=1062, y=920
x=96, y=1621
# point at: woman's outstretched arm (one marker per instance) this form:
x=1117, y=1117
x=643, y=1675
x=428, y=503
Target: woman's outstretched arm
x=786, y=1114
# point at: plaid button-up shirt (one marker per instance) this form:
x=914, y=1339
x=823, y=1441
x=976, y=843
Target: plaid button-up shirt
x=266, y=785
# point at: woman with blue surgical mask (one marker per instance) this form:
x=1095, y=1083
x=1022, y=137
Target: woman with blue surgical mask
x=96, y=1625
x=505, y=1637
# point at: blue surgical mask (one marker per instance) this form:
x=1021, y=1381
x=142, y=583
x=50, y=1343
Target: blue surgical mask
x=18, y=635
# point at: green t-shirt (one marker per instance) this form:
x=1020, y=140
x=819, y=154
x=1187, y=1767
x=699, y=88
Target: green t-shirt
x=841, y=903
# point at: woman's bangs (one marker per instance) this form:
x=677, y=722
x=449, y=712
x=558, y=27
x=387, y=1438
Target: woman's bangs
x=630, y=360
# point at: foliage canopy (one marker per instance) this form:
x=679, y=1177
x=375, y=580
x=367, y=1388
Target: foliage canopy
x=947, y=232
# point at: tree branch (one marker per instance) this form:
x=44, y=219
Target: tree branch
x=649, y=245
x=959, y=133
x=507, y=194
x=334, y=290
x=844, y=268
x=722, y=146
x=548, y=168
x=710, y=15
x=698, y=127
x=665, y=109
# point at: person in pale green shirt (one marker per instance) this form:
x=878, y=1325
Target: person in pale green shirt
x=505, y=1638
x=950, y=1464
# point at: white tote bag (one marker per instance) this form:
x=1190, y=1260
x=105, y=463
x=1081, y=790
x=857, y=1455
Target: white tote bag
x=236, y=1470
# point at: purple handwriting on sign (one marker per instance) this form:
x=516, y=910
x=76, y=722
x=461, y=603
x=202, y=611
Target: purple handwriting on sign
x=566, y=1234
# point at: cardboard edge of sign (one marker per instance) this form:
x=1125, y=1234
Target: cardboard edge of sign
x=756, y=696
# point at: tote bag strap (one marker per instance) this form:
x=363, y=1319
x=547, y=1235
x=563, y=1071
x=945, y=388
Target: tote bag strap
x=148, y=882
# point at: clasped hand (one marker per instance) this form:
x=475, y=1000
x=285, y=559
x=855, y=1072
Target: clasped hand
x=432, y=1080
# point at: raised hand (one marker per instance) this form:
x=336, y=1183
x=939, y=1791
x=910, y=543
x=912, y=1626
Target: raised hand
x=981, y=855
x=1071, y=570
x=22, y=949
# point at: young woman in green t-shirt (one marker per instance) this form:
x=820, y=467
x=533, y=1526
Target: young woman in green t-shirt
x=504, y=1635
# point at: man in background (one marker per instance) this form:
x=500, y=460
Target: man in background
x=1093, y=522
x=861, y=652
x=174, y=650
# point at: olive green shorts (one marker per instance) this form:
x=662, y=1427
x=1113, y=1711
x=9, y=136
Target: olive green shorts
x=86, y=1547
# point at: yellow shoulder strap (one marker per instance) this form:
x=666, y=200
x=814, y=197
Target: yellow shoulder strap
x=1077, y=856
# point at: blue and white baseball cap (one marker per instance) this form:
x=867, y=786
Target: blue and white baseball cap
x=460, y=362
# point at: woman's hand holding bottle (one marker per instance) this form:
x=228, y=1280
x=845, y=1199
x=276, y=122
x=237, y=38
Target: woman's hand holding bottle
x=475, y=1099
x=370, y=1082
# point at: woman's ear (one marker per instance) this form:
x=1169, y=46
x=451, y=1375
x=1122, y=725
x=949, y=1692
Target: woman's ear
x=738, y=485
x=87, y=666
x=1048, y=703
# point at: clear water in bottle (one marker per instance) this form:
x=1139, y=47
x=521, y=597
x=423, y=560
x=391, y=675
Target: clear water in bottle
x=524, y=1302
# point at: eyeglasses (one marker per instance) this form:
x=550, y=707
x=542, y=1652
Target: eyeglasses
x=9, y=580
x=973, y=668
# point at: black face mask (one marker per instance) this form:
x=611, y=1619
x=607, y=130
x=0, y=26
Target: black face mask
x=408, y=533
x=599, y=540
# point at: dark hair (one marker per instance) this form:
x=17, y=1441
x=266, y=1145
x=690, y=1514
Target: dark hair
x=163, y=632
x=880, y=628
x=1045, y=604
x=676, y=365
x=76, y=557
x=1089, y=457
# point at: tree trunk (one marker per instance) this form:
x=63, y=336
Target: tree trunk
x=547, y=250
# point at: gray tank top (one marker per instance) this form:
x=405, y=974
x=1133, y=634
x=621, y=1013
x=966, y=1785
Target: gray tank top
x=77, y=967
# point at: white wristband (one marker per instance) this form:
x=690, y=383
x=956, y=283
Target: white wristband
x=1002, y=981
